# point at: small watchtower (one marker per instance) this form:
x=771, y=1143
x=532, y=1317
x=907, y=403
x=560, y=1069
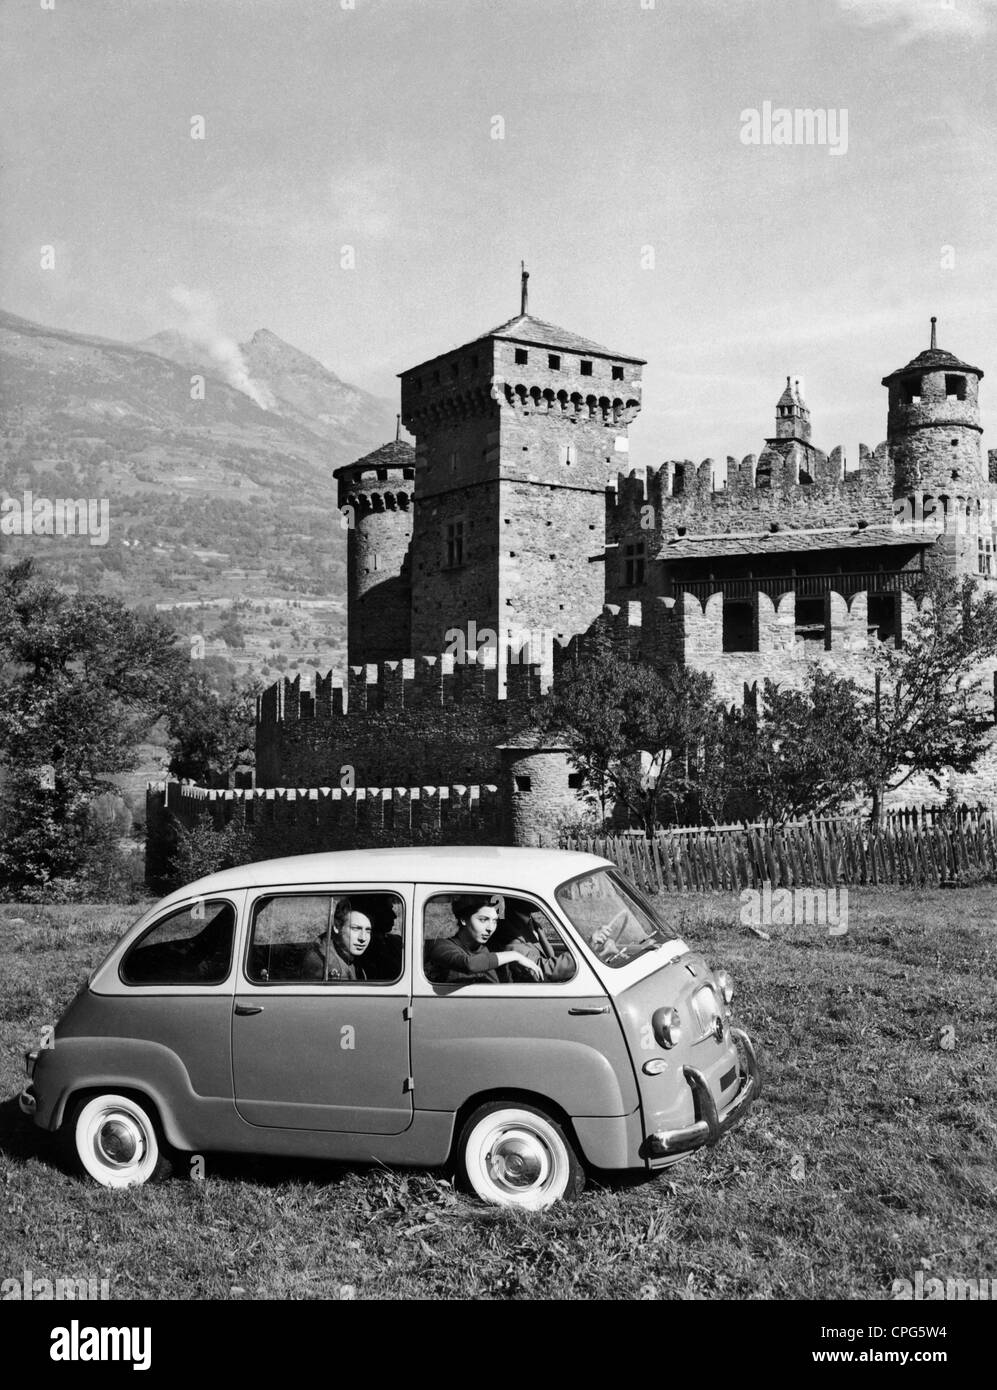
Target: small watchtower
x=375, y=499
x=792, y=418
x=933, y=424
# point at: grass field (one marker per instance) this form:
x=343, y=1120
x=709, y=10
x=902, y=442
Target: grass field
x=871, y=1155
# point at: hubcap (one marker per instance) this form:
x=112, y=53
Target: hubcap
x=518, y=1160
x=119, y=1141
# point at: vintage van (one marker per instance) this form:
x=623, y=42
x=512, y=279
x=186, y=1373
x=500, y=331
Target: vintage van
x=521, y=1015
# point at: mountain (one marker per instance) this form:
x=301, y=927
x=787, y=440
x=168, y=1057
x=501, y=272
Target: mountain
x=296, y=386
x=214, y=500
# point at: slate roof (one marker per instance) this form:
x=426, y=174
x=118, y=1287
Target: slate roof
x=396, y=454
x=762, y=543
x=933, y=360
x=524, y=328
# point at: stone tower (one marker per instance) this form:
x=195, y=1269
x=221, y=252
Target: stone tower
x=518, y=434
x=933, y=425
x=792, y=418
x=375, y=495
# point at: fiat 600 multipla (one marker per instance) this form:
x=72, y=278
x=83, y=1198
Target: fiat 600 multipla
x=519, y=1015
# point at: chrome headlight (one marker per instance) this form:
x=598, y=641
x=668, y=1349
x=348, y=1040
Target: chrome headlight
x=667, y=1027
x=726, y=986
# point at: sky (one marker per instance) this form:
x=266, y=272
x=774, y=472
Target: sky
x=442, y=141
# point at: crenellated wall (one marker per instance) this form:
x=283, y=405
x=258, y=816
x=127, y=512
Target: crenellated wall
x=771, y=487
x=302, y=821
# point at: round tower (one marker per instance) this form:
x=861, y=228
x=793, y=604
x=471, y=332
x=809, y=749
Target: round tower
x=933, y=426
x=375, y=496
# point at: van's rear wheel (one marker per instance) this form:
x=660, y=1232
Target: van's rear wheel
x=513, y=1155
x=116, y=1141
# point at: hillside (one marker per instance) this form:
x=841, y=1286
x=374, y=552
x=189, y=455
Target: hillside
x=212, y=501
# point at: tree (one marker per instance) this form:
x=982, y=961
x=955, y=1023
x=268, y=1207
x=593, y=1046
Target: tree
x=927, y=712
x=82, y=681
x=211, y=727
x=634, y=734
x=799, y=754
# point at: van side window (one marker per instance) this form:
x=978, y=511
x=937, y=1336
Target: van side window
x=326, y=938
x=191, y=946
x=476, y=938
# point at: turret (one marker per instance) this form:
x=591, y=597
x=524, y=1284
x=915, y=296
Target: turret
x=375, y=497
x=933, y=425
x=792, y=418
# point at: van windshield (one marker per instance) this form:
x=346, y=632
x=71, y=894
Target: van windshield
x=613, y=920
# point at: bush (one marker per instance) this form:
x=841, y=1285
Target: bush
x=201, y=849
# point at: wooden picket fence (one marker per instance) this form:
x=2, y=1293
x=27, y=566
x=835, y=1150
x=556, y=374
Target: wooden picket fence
x=911, y=849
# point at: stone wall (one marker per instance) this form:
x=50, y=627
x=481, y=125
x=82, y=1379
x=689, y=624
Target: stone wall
x=287, y=821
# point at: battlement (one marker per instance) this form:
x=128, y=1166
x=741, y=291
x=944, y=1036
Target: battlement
x=794, y=482
x=283, y=820
x=437, y=682
x=612, y=410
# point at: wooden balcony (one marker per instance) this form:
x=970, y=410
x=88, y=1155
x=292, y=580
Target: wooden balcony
x=804, y=585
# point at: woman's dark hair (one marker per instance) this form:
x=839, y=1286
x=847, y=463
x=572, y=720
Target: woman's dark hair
x=467, y=904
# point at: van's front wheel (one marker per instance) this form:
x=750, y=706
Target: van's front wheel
x=513, y=1155
x=115, y=1140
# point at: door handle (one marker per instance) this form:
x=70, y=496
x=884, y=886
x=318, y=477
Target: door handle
x=589, y=1009
x=245, y=1009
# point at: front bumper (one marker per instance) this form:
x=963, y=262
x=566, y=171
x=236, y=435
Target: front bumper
x=710, y=1124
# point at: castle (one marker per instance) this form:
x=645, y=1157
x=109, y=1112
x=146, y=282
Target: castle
x=479, y=561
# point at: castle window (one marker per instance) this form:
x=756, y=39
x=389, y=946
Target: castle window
x=524, y=784
x=884, y=618
x=522, y=357
x=567, y=453
x=986, y=558
x=955, y=388
x=453, y=460
x=633, y=564
x=912, y=392
x=810, y=619
x=576, y=780
x=678, y=480
x=617, y=373
x=738, y=626
x=586, y=368
x=454, y=544
x=553, y=362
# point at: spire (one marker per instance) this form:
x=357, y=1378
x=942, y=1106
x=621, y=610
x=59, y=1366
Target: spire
x=524, y=276
x=933, y=322
x=398, y=428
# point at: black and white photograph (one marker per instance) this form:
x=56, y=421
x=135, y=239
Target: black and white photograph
x=498, y=668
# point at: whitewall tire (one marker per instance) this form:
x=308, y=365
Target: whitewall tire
x=512, y=1155
x=115, y=1140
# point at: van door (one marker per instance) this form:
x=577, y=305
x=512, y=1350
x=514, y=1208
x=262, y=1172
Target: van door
x=320, y=1023
x=557, y=1037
